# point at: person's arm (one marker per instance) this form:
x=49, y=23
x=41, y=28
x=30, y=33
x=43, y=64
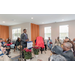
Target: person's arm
x=27, y=37
x=47, y=42
x=22, y=38
x=50, y=40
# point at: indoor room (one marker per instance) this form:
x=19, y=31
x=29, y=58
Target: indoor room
x=37, y=37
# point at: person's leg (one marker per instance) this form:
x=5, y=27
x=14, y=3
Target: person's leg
x=41, y=50
x=45, y=47
x=7, y=52
x=14, y=48
x=51, y=46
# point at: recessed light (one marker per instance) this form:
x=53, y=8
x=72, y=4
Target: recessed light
x=3, y=21
x=42, y=22
x=62, y=19
x=31, y=17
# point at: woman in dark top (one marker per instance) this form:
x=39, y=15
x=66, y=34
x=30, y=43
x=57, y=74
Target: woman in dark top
x=8, y=46
x=18, y=42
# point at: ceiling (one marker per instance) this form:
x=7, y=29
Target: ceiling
x=13, y=19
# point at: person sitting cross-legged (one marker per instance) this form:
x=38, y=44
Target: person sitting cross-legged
x=49, y=43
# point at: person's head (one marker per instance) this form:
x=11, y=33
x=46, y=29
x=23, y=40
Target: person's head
x=73, y=39
x=66, y=37
x=66, y=40
x=57, y=38
x=0, y=39
x=18, y=39
x=3, y=40
x=48, y=38
x=8, y=39
x=67, y=46
x=24, y=30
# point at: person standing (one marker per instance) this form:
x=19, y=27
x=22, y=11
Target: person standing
x=24, y=38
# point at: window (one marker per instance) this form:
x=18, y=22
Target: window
x=16, y=33
x=63, y=31
x=47, y=32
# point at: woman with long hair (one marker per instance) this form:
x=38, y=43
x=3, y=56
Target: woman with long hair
x=18, y=43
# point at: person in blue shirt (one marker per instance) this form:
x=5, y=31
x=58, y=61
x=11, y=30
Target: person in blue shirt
x=49, y=43
x=3, y=41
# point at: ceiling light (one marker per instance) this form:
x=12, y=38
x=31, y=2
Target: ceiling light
x=62, y=19
x=42, y=22
x=3, y=21
x=31, y=17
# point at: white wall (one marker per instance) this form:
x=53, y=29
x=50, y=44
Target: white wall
x=55, y=29
x=22, y=26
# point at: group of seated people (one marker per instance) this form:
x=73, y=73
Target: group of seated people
x=4, y=48
x=62, y=50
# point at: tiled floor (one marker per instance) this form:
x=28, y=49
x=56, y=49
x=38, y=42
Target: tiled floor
x=14, y=54
x=44, y=57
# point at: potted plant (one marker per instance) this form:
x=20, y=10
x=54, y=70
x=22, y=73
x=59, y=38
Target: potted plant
x=27, y=54
x=36, y=51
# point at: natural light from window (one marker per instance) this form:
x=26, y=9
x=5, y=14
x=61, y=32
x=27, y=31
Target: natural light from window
x=16, y=32
x=63, y=31
x=47, y=32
